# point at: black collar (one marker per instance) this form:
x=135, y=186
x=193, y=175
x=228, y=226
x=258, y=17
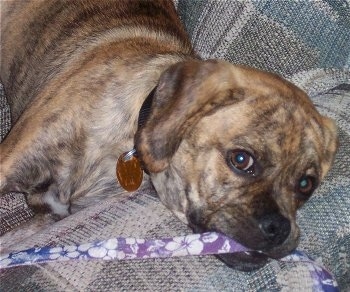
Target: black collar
x=146, y=109
x=144, y=114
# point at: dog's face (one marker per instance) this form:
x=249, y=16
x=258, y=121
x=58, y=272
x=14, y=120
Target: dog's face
x=237, y=151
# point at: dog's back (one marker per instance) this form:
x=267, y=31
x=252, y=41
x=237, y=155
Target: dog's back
x=43, y=38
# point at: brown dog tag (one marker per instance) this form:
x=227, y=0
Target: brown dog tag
x=129, y=172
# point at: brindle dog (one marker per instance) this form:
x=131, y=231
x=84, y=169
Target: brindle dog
x=228, y=148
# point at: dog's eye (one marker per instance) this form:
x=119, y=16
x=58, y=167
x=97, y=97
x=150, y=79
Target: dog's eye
x=306, y=185
x=242, y=161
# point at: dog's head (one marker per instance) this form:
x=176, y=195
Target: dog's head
x=236, y=150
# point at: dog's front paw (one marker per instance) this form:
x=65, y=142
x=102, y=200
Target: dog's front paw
x=49, y=201
x=244, y=261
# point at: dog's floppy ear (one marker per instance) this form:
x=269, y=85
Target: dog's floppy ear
x=186, y=92
x=330, y=144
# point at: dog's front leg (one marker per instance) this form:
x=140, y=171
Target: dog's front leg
x=30, y=165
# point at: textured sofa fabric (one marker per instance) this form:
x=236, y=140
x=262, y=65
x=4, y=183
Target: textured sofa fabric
x=308, y=42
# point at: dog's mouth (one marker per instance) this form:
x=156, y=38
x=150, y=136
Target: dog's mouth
x=252, y=259
x=247, y=260
x=244, y=261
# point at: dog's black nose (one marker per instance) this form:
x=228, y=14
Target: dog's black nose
x=275, y=228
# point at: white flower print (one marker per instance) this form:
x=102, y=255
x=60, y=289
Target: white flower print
x=111, y=254
x=97, y=252
x=188, y=245
x=210, y=237
x=111, y=244
x=225, y=247
x=130, y=241
x=64, y=253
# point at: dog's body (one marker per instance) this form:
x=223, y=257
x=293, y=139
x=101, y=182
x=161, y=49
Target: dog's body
x=228, y=148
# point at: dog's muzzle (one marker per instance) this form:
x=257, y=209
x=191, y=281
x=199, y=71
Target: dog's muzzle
x=275, y=230
x=266, y=237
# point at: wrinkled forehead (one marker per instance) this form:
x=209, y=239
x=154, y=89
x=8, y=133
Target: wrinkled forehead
x=284, y=125
x=284, y=121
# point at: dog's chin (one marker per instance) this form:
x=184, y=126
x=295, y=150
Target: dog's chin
x=244, y=261
x=249, y=260
x=253, y=259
